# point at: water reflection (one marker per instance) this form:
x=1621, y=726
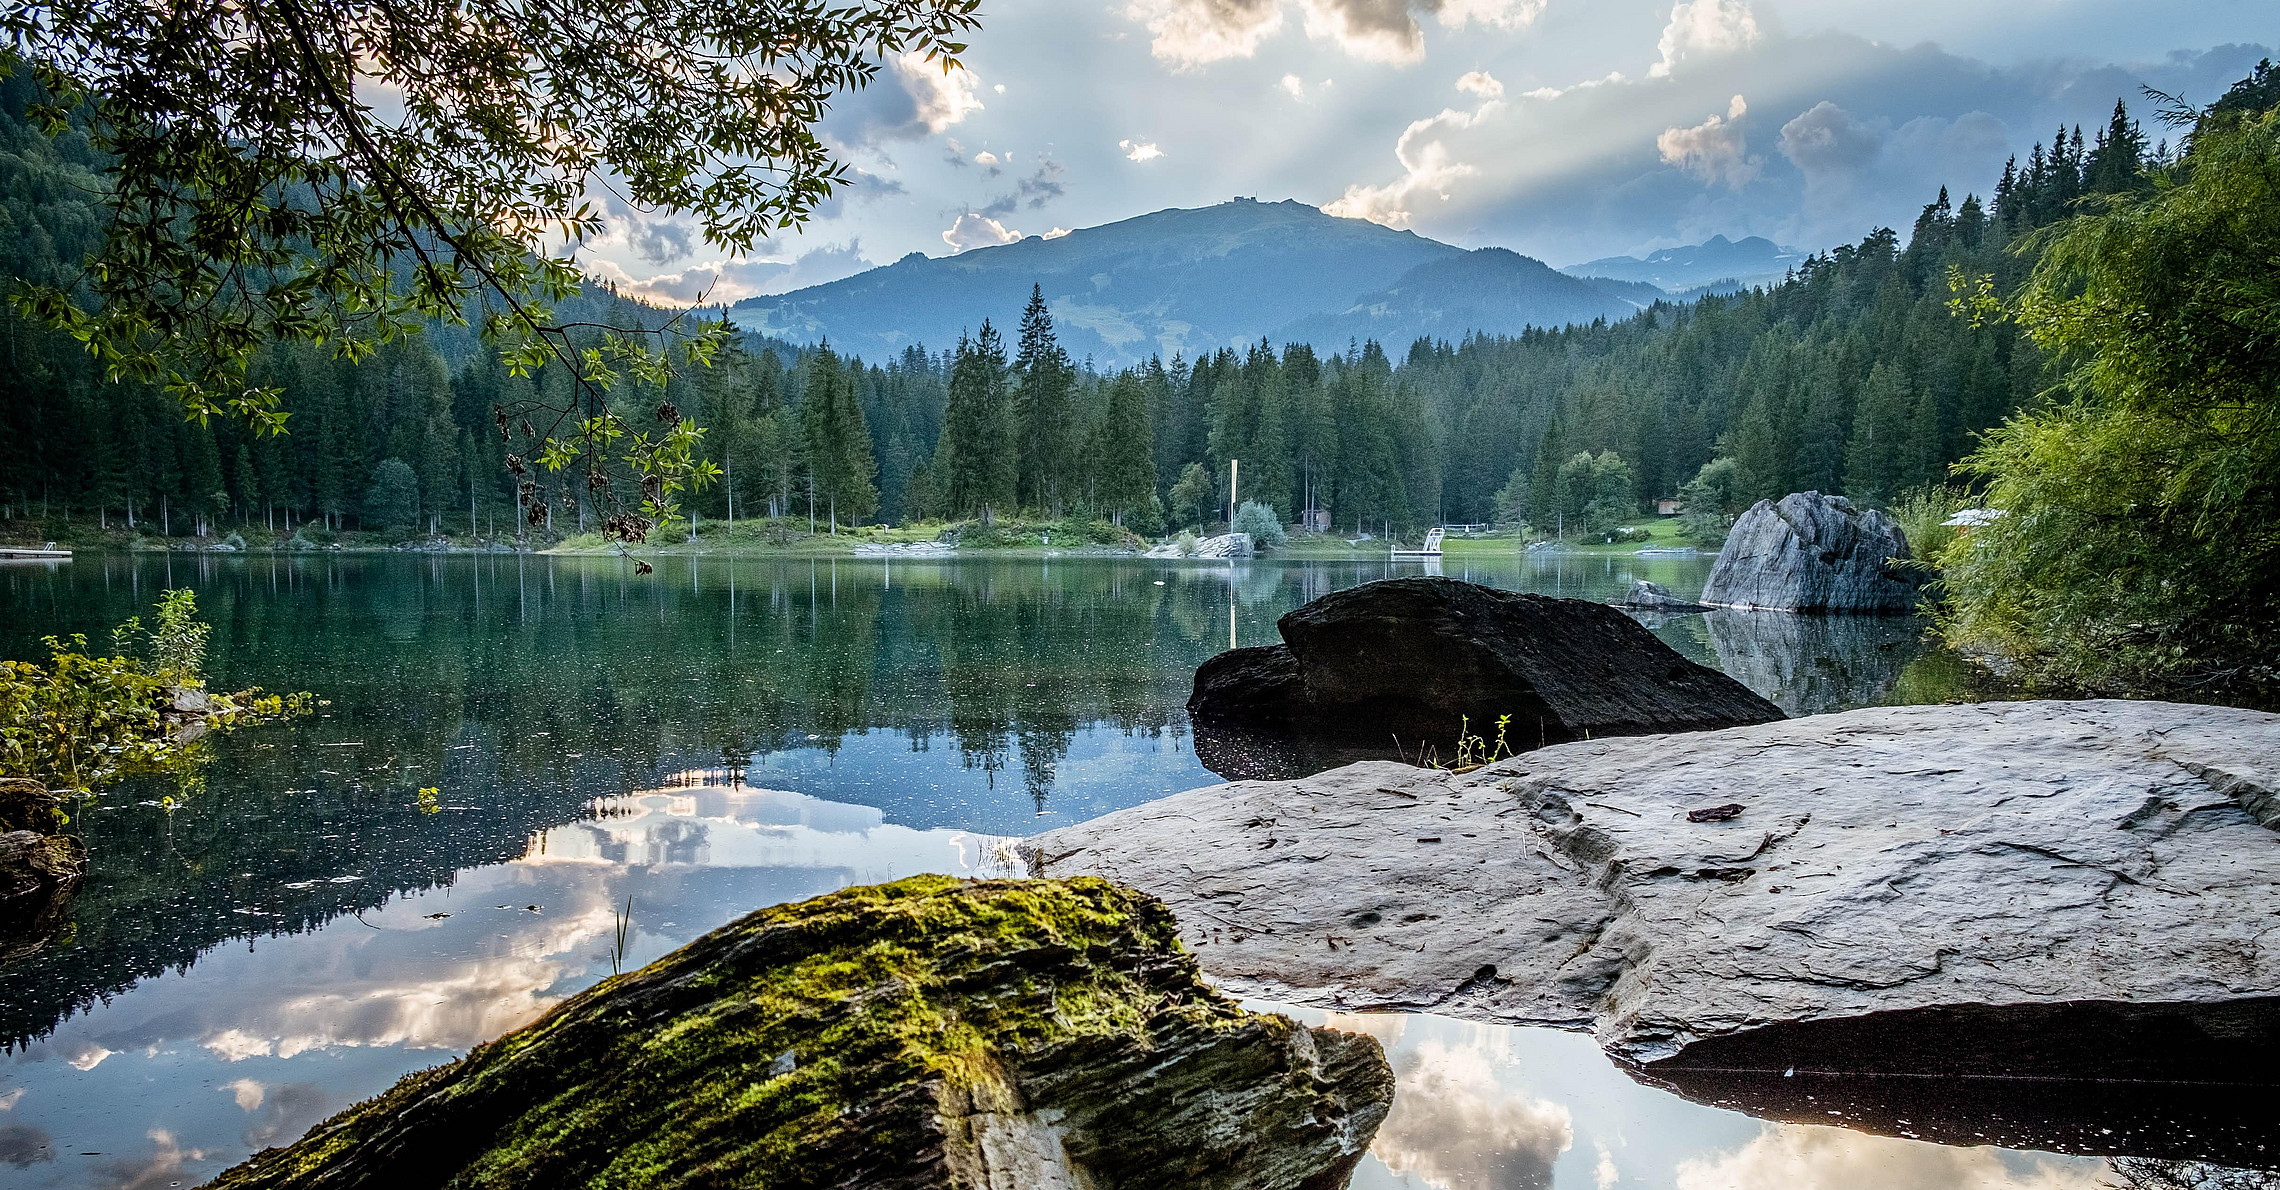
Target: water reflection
x=1808, y=665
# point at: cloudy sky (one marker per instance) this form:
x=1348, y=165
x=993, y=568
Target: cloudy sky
x=1563, y=129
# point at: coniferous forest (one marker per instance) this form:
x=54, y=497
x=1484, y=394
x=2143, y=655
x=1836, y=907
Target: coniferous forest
x=1855, y=375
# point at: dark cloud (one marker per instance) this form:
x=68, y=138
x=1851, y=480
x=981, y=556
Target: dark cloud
x=1042, y=186
x=284, y=1114
x=1826, y=138
x=24, y=1146
x=659, y=241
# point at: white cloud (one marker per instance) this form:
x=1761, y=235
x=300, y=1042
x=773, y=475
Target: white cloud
x=985, y=157
x=1699, y=28
x=1807, y=1157
x=1714, y=150
x=1429, y=166
x=1139, y=150
x=1190, y=33
x=247, y=1092
x=728, y=281
x=1294, y=86
x=1482, y=84
x=1056, y=233
x=1454, y=1124
x=943, y=97
x=975, y=230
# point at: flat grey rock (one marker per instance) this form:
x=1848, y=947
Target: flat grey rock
x=2073, y=888
x=1813, y=553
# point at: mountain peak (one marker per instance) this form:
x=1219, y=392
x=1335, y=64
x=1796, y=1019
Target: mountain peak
x=1751, y=260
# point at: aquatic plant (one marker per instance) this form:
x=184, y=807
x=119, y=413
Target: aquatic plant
x=79, y=722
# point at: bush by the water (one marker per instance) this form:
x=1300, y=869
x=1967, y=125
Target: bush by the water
x=79, y=722
x=1261, y=522
x=2139, y=542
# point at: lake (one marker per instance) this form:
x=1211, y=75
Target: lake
x=301, y=926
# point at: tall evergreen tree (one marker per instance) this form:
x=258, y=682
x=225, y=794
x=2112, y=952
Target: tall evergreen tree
x=1043, y=379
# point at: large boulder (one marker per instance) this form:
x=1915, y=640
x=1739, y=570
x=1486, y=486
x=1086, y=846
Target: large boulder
x=2060, y=889
x=1408, y=662
x=927, y=1033
x=1813, y=553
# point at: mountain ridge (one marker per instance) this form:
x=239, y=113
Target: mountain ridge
x=1190, y=281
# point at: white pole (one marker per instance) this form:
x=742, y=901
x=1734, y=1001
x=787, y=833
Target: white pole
x=1234, y=470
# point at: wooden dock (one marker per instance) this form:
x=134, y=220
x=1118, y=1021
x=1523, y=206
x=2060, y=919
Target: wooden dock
x=1432, y=548
x=23, y=553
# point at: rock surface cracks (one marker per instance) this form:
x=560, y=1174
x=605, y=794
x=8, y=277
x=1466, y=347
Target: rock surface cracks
x=1887, y=861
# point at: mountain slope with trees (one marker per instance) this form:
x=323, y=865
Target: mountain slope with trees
x=1183, y=282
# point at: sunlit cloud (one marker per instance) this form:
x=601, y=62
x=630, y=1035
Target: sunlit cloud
x=1714, y=150
x=1139, y=150
x=1699, y=28
x=1294, y=86
x=1191, y=33
x=1809, y=1157
x=976, y=230
x=943, y=97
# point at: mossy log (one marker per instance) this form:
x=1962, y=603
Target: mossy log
x=927, y=1033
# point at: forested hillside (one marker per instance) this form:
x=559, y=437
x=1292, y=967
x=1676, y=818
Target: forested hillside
x=1852, y=375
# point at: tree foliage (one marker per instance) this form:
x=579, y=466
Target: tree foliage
x=257, y=189
x=2139, y=545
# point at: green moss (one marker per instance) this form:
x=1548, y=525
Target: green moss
x=890, y=1002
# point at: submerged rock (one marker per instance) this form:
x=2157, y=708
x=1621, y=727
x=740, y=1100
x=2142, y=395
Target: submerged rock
x=1654, y=597
x=40, y=869
x=1412, y=659
x=2060, y=889
x=926, y=1033
x=1813, y=553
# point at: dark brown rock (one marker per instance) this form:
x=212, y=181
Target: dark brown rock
x=39, y=874
x=1412, y=659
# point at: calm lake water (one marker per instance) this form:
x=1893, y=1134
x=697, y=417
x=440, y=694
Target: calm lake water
x=298, y=931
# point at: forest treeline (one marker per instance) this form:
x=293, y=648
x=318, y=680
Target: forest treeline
x=1853, y=375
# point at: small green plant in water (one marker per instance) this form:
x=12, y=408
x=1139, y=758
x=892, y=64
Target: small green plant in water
x=78, y=722
x=429, y=803
x=624, y=934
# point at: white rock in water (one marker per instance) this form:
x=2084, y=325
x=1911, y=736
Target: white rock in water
x=2078, y=888
x=1813, y=553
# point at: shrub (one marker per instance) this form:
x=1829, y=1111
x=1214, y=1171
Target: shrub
x=1259, y=520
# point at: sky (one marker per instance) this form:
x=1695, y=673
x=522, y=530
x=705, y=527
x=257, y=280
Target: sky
x=1562, y=129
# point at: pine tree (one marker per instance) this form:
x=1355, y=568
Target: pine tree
x=1123, y=467
x=841, y=468
x=976, y=462
x=1043, y=379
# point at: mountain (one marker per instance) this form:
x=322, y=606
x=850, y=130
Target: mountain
x=1192, y=281
x=1491, y=290
x=1753, y=260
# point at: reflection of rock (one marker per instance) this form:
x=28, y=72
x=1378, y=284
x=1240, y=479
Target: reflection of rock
x=1808, y=665
x=1813, y=553
x=1412, y=659
x=2200, y=1121
x=2093, y=875
x=1791, y=1157
x=806, y=1045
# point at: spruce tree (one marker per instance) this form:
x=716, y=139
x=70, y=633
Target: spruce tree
x=976, y=462
x=1043, y=379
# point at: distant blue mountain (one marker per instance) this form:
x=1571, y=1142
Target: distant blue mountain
x=1715, y=265
x=1490, y=290
x=1193, y=281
